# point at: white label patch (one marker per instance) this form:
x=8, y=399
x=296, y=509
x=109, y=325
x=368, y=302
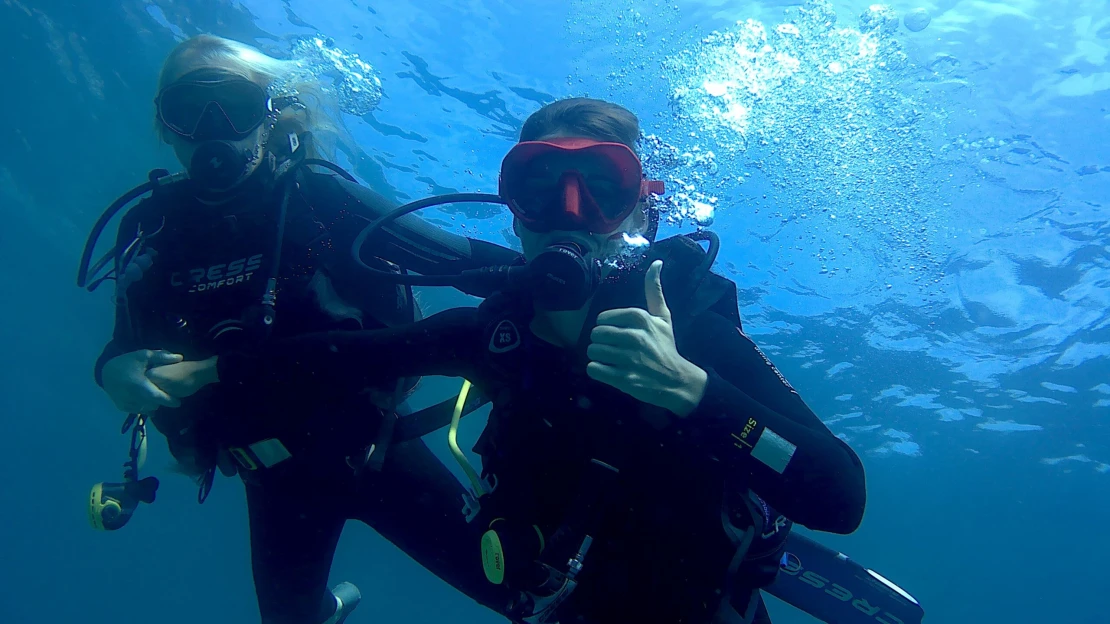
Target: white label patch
x=506, y=337
x=773, y=450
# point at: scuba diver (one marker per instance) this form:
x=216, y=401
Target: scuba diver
x=643, y=461
x=252, y=246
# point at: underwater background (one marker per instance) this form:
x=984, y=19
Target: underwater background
x=912, y=197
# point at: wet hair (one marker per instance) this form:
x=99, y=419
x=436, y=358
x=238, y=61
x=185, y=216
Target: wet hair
x=318, y=115
x=583, y=117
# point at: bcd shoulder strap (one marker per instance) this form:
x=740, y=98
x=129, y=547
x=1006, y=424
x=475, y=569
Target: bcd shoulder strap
x=691, y=288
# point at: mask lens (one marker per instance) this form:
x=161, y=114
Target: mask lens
x=226, y=109
x=613, y=199
x=538, y=191
x=245, y=105
x=608, y=183
x=180, y=108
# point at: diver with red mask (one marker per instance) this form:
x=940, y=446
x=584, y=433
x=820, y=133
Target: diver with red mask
x=643, y=460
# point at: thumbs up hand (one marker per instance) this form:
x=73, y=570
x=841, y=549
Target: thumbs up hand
x=633, y=350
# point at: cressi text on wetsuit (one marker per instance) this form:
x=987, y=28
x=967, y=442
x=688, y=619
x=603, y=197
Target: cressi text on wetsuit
x=205, y=268
x=659, y=554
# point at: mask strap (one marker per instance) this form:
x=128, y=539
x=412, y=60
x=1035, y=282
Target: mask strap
x=651, y=187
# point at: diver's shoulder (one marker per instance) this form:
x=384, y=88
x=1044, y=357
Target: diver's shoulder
x=504, y=305
x=156, y=206
x=316, y=184
x=707, y=328
x=331, y=189
x=317, y=178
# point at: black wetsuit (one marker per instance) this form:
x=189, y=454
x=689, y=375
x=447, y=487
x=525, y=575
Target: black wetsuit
x=660, y=553
x=209, y=267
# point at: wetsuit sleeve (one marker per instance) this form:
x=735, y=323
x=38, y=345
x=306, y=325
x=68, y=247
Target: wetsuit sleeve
x=754, y=421
x=447, y=343
x=412, y=242
x=111, y=350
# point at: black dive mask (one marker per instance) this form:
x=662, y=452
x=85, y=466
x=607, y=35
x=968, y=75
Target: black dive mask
x=212, y=104
x=217, y=111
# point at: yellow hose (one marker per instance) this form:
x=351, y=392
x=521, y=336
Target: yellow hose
x=452, y=442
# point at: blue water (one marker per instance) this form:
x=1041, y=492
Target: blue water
x=917, y=221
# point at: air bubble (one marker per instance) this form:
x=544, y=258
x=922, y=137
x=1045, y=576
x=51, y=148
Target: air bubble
x=824, y=111
x=354, y=81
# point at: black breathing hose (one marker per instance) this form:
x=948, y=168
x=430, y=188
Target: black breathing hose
x=486, y=273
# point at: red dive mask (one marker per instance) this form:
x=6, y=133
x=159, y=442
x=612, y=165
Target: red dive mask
x=573, y=184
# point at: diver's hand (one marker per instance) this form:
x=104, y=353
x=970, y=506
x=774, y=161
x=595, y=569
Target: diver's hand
x=633, y=350
x=184, y=379
x=125, y=381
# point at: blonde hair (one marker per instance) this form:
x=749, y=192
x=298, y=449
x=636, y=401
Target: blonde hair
x=319, y=114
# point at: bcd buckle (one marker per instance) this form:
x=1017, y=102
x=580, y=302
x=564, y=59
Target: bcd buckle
x=471, y=503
